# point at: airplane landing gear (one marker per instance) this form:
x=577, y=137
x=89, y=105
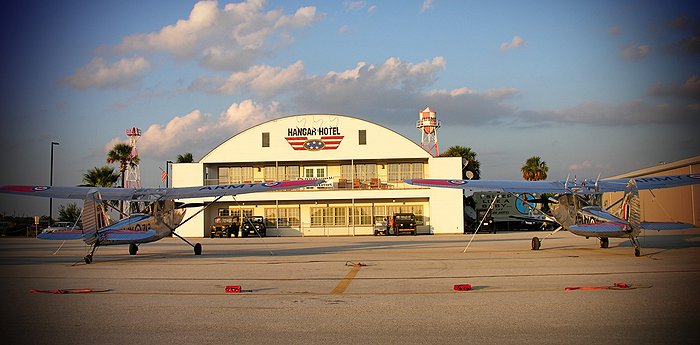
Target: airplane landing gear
x=133, y=249
x=604, y=242
x=88, y=258
x=536, y=243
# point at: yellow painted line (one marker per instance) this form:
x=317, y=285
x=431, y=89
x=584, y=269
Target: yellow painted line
x=340, y=288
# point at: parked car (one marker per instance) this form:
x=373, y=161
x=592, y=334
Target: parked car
x=404, y=222
x=253, y=226
x=224, y=226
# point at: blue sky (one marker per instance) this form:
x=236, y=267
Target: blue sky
x=590, y=86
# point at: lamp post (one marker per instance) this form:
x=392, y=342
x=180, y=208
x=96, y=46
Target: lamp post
x=53, y=143
x=167, y=172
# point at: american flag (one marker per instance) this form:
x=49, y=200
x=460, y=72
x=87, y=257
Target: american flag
x=163, y=175
x=327, y=142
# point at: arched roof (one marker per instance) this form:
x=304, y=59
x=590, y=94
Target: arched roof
x=327, y=137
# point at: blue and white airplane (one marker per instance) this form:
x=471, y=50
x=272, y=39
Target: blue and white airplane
x=568, y=214
x=161, y=218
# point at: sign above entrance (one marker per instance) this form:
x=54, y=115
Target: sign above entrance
x=314, y=138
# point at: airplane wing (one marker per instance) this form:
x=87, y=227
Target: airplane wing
x=665, y=226
x=62, y=235
x=608, y=229
x=559, y=187
x=494, y=185
x=654, y=182
x=108, y=193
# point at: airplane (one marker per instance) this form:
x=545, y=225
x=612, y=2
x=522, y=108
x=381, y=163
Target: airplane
x=568, y=212
x=160, y=218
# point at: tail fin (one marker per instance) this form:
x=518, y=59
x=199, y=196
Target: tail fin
x=631, y=209
x=94, y=214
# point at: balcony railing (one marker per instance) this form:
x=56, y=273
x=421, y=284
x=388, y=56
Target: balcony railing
x=334, y=183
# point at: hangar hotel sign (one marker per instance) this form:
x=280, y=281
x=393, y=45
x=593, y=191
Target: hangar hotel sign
x=314, y=138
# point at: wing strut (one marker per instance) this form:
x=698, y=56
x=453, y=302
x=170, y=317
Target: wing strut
x=481, y=222
x=197, y=247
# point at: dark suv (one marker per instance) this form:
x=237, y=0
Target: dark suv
x=259, y=226
x=404, y=222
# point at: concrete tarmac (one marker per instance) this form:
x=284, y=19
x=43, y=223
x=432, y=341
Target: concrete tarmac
x=356, y=290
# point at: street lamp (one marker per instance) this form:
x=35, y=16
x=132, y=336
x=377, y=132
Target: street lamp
x=53, y=143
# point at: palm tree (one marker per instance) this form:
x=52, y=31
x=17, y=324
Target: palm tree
x=100, y=177
x=122, y=153
x=467, y=154
x=535, y=169
x=185, y=158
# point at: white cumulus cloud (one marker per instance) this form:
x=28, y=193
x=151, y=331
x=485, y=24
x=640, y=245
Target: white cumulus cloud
x=98, y=74
x=516, y=42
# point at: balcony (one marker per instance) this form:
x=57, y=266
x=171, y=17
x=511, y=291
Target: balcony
x=335, y=183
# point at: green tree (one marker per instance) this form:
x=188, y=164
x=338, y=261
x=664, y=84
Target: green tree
x=535, y=169
x=185, y=158
x=69, y=213
x=467, y=154
x=100, y=177
x=122, y=153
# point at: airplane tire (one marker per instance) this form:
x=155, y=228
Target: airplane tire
x=637, y=253
x=88, y=259
x=604, y=242
x=133, y=249
x=536, y=243
x=198, y=249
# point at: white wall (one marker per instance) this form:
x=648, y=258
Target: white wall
x=446, y=210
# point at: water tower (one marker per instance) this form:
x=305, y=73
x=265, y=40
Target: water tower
x=428, y=125
x=133, y=179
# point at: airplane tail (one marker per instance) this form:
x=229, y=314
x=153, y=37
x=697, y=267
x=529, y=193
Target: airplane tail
x=565, y=210
x=631, y=206
x=94, y=216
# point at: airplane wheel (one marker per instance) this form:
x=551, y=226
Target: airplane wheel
x=536, y=243
x=604, y=242
x=88, y=259
x=197, y=249
x=637, y=253
x=133, y=249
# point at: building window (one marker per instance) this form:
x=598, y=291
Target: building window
x=363, y=136
x=229, y=175
x=287, y=172
x=266, y=139
x=361, y=215
x=282, y=217
x=398, y=172
x=328, y=216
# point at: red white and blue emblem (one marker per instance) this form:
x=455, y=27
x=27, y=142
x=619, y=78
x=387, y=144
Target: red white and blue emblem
x=326, y=142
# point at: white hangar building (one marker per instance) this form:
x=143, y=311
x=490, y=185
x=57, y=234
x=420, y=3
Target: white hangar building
x=365, y=165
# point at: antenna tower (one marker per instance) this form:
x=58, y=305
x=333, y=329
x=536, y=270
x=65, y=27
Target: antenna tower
x=133, y=179
x=428, y=125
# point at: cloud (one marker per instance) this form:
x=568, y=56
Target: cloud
x=180, y=38
x=231, y=38
x=516, y=42
x=197, y=131
x=427, y=4
x=614, y=31
x=635, y=52
x=265, y=81
x=97, y=74
x=688, y=89
x=603, y=114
